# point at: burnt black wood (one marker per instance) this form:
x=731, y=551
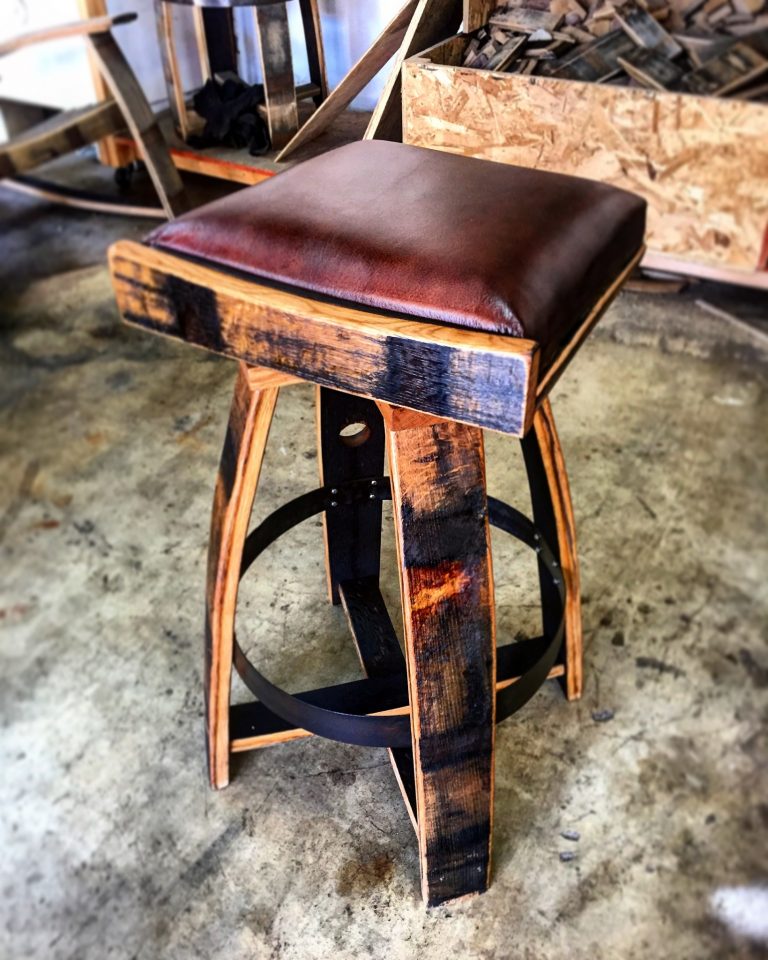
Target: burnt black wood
x=380, y=655
x=313, y=50
x=544, y=518
x=220, y=39
x=372, y=628
x=353, y=531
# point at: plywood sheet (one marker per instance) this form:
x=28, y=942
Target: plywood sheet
x=701, y=162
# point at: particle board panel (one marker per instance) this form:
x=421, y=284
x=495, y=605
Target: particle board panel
x=701, y=162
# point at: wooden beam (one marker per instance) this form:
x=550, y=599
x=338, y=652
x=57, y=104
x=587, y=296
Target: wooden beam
x=80, y=28
x=553, y=517
x=443, y=545
x=111, y=152
x=201, y=43
x=58, y=135
x=241, y=459
x=433, y=20
x=380, y=656
x=142, y=123
x=313, y=39
x=171, y=70
x=277, y=70
x=465, y=375
x=375, y=57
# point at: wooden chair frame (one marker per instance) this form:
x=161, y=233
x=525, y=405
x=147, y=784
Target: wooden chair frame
x=66, y=131
x=281, y=94
x=427, y=391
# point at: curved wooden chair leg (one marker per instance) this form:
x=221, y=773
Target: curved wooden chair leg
x=553, y=515
x=250, y=418
x=141, y=122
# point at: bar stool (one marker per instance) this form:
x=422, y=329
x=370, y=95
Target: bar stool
x=429, y=297
x=281, y=94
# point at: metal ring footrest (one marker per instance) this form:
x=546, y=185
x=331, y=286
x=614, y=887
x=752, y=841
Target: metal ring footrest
x=383, y=730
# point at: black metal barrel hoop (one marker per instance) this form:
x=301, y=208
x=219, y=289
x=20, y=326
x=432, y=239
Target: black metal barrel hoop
x=386, y=730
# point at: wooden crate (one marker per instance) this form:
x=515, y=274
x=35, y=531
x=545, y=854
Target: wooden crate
x=700, y=162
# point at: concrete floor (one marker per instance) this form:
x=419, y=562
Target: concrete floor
x=112, y=844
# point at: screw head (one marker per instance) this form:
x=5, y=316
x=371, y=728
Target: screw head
x=334, y=491
x=333, y=503
x=374, y=483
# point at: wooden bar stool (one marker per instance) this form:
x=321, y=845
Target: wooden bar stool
x=281, y=94
x=429, y=297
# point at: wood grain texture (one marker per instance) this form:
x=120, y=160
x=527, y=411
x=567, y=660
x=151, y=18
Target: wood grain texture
x=141, y=122
x=441, y=523
x=477, y=13
x=313, y=41
x=164, y=28
x=366, y=68
x=246, y=438
x=380, y=656
x=59, y=135
x=464, y=375
x=431, y=21
x=553, y=516
x=201, y=43
x=176, y=95
x=79, y=28
x=111, y=152
x=277, y=69
x=352, y=532
x=700, y=162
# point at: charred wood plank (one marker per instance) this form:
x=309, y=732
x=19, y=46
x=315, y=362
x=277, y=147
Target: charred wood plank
x=465, y=375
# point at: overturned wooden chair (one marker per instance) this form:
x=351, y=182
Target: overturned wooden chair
x=429, y=297
x=65, y=131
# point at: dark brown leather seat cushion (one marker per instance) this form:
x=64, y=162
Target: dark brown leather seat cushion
x=430, y=234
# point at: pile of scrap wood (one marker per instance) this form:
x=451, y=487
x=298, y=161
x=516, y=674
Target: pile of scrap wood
x=704, y=47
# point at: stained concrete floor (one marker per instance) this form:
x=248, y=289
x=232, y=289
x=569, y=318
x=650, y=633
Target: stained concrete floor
x=112, y=844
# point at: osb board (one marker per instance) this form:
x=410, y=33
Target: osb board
x=702, y=163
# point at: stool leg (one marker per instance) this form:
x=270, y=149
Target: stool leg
x=353, y=531
x=313, y=37
x=553, y=515
x=249, y=421
x=353, y=542
x=277, y=68
x=441, y=522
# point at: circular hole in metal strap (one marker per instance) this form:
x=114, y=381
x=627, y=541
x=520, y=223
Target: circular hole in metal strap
x=392, y=730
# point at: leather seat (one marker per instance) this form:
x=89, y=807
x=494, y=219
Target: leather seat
x=428, y=234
